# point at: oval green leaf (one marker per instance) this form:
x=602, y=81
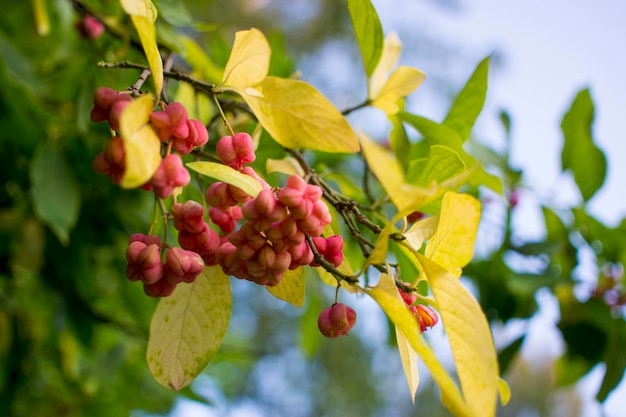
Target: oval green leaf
x=368, y=31
x=188, y=327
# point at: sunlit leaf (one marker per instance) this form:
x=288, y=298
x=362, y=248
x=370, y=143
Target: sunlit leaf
x=442, y=164
x=291, y=289
x=296, y=115
x=56, y=194
x=287, y=165
x=143, y=14
x=580, y=155
x=452, y=246
x=368, y=31
x=188, y=327
x=228, y=175
x=249, y=60
x=504, y=391
x=467, y=328
x=402, y=82
x=469, y=103
x=390, y=174
x=392, y=48
x=397, y=312
x=421, y=231
x=142, y=147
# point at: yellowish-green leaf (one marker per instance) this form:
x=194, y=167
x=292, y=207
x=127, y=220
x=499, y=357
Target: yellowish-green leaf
x=249, y=60
x=296, y=115
x=142, y=147
x=470, y=338
x=408, y=355
x=385, y=166
x=228, y=175
x=291, y=289
x=442, y=164
x=147, y=36
x=200, y=61
x=368, y=31
x=397, y=312
x=452, y=246
x=144, y=8
x=421, y=231
x=402, y=82
x=392, y=48
x=504, y=391
x=188, y=327
x=42, y=21
x=287, y=165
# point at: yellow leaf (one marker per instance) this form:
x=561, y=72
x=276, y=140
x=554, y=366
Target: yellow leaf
x=392, y=48
x=143, y=8
x=42, y=21
x=188, y=327
x=297, y=115
x=421, y=231
x=385, y=166
x=142, y=147
x=147, y=35
x=397, y=312
x=470, y=338
x=291, y=289
x=228, y=175
x=287, y=165
x=249, y=60
x=400, y=84
x=452, y=245
x=505, y=391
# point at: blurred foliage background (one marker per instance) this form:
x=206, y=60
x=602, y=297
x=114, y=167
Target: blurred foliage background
x=73, y=329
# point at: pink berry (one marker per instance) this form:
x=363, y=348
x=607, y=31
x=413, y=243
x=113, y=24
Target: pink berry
x=188, y=216
x=227, y=218
x=111, y=161
x=236, y=151
x=182, y=265
x=89, y=27
x=170, y=174
x=144, y=262
x=160, y=288
x=171, y=122
x=336, y=320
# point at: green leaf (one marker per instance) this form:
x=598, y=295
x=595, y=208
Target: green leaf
x=56, y=196
x=249, y=60
x=398, y=313
x=188, y=327
x=442, y=164
x=615, y=359
x=399, y=140
x=368, y=31
x=228, y=175
x=42, y=21
x=469, y=103
x=291, y=289
x=452, y=245
x=467, y=328
x=175, y=12
x=580, y=155
x=142, y=147
x=402, y=82
x=440, y=134
x=200, y=61
x=296, y=115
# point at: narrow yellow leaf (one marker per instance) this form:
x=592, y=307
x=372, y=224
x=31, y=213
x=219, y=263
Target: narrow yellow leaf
x=504, y=391
x=287, y=165
x=397, y=312
x=402, y=82
x=296, y=115
x=452, y=245
x=392, y=48
x=421, y=231
x=249, y=60
x=470, y=338
x=147, y=36
x=228, y=175
x=385, y=166
x=291, y=289
x=144, y=8
x=188, y=327
x=142, y=147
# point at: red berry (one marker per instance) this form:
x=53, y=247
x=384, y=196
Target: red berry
x=336, y=320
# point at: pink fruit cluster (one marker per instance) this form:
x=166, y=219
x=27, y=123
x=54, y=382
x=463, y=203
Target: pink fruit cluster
x=336, y=320
x=424, y=315
x=172, y=125
x=159, y=278
x=270, y=238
